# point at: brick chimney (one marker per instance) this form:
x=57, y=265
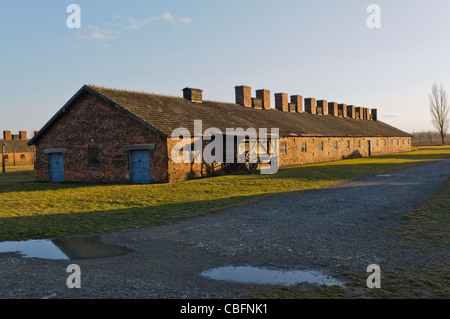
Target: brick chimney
x=298, y=101
x=351, y=111
x=243, y=95
x=23, y=135
x=342, y=110
x=193, y=95
x=358, y=111
x=257, y=103
x=367, y=113
x=310, y=105
x=322, y=107
x=333, y=108
x=6, y=135
x=281, y=102
x=265, y=96
x=374, y=115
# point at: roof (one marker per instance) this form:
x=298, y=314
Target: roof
x=165, y=113
x=18, y=146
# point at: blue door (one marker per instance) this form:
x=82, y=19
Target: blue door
x=140, y=166
x=57, y=168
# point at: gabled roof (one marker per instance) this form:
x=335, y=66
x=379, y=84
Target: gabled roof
x=18, y=146
x=163, y=114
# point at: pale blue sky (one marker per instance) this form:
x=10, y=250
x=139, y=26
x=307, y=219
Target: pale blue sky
x=321, y=49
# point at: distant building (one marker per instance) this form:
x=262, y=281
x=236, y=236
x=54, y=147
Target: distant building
x=15, y=148
x=108, y=135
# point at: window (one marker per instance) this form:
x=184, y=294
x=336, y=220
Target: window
x=93, y=157
x=398, y=142
x=283, y=148
x=359, y=144
x=5, y=156
x=321, y=146
x=377, y=143
x=384, y=142
x=335, y=145
x=408, y=141
x=22, y=155
x=348, y=144
x=304, y=147
x=403, y=142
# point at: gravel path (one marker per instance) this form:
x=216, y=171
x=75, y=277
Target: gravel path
x=348, y=224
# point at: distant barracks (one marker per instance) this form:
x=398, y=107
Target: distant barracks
x=108, y=135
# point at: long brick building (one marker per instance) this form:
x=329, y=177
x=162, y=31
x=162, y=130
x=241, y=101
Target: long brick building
x=14, y=149
x=109, y=135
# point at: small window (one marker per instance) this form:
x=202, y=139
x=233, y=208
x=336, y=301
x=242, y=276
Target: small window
x=359, y=144
x=408, y=141
x=335, y=145
x=22, y=156
x=403, y=142
x=321, y=146
x=5, y=156
x=283, y=148
x=304, y=147
x=93, y=157
x=348, y=144
x=398, y=142
x=377, y=143
x=384, y=142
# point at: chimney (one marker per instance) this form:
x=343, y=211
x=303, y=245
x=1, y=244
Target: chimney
x=193, y=95
x=292, y=108
x=23, y=135
x=298, y=101
x=322, y=107
x=342, y=110
x=257, y=103
x=374, y=115
x=265, y=96
x=333, y=108
x=351, y=111
x=281, y=102
x=310, y=105
x=367, y=113
x=6, y=135
x=358, y=111
x=243, y=95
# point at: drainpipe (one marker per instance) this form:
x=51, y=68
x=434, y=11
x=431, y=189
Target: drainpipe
x=3, y=158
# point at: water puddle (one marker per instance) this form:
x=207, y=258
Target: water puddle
x=66, y=248
x=384, y=175
x=246, y=274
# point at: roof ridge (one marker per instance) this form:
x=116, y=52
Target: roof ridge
x=95, y=87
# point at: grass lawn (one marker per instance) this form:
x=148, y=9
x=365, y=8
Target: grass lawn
x=46, y=210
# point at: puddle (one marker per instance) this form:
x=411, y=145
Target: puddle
x=248, y=274
x=67, y=248
x=384, y=175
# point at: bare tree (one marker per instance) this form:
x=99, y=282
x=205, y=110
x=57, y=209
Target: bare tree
x=439, y=110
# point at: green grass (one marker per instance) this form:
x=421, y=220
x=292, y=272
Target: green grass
x=46, y=210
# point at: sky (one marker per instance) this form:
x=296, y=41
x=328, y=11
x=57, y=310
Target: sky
x=318, y=48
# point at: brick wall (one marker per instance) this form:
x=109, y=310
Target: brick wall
x=358, y=147
x=21, y=158
x=91, y=123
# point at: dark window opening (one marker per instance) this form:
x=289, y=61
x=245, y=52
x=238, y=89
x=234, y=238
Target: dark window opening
x=321, y=146
x=348, y=145
x=335, y=145
x=93, y=157
x=304, y=147
x=22, y=155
